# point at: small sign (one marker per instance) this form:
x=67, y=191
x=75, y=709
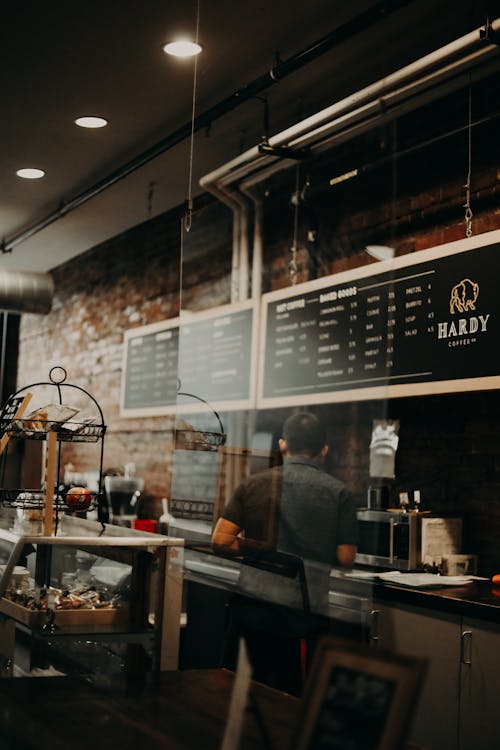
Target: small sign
x=357, y=700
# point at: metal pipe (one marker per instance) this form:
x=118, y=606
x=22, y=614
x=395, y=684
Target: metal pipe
x=258, y=240
x=279, y=71
x=368, y=98
x=232, y=204
x=243, y=212
x=26, y=291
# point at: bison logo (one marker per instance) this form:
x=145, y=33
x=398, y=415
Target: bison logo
x=463, y=296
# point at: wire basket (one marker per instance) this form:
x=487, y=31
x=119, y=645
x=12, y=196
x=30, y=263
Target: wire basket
x=198, y=440
x=69, y=432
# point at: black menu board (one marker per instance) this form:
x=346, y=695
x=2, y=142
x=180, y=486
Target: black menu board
x=354, y=711
x=422, y=323
x=149, y=379
x=208, y=355
x=357, y=700
x=217, y=350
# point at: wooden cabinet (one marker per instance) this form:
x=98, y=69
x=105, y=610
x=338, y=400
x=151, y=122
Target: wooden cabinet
x=479, y=726
x=435, y=637
x=456, y=708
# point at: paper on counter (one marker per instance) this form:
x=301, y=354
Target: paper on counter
x=424, y=580
x=414, y=580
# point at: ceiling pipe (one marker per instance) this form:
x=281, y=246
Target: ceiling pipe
x=427, y=79
x=278, y=72
x=26, y=291
x=452, y=63
x=234, y=206
x=258, y=237
x=396, y=103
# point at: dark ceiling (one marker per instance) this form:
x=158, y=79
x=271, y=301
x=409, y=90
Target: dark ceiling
x=61, y=60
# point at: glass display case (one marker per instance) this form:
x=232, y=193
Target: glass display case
x=91, y=583
x=66, y=579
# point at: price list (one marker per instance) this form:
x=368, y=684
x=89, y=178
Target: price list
x=150, y=372
x=412, y=324
x=215, y=356
x=209, y=356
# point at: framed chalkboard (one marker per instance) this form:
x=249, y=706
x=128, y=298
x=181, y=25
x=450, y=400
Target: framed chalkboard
x=356, y=699
x=217, y=354
x=177, y=365
x=150, y=369
x=422, y=323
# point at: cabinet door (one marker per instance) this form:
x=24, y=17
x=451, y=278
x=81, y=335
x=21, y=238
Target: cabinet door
x=479, y=724
x=435, y=637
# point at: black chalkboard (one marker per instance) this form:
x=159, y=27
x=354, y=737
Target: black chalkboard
x=150, y=368
x=216, y=356
x=357, y=700
x=354, y=711
x=209, y=355
x=414, y=323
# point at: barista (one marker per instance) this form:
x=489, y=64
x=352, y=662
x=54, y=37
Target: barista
x=298, y=509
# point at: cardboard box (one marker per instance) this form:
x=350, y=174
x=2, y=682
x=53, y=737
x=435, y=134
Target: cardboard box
x=440, y=537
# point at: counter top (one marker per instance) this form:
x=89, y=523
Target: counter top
x=477, y=599
x=332, y=593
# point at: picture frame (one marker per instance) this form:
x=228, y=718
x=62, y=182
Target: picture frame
x=357, y=698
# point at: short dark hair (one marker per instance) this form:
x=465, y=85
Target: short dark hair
x=304, y=433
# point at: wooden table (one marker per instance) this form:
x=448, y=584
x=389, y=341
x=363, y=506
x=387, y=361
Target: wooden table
x=171, y=711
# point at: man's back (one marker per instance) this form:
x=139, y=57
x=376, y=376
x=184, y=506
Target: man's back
x=296, y=508
x=315, y=512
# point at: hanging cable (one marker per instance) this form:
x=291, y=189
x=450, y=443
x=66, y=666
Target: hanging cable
x=188, y=218
x=292, y=266
x=468, y=209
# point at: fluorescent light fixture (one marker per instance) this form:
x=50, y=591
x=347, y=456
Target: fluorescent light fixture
x=344, y=177
x=380, y=252
x=29, y=173
x=182, y=48
x=91, y=122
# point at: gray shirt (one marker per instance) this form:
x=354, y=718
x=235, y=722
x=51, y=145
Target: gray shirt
x=298, y=508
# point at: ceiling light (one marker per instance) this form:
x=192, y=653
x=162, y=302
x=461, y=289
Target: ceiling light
x=91, y=122
x=380, y=252
x=30, y=174
x=182, y=48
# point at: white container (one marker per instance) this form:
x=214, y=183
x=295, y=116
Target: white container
x=459, y=565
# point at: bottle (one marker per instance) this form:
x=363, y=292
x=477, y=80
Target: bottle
x=416, y=501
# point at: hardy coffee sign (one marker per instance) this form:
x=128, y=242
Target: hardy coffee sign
x=423, y=323
x=462, y=331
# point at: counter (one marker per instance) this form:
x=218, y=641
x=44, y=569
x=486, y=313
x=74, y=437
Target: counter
x=479, y=599
x=330, y=592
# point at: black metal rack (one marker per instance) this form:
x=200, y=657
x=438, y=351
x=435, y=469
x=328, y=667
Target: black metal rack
x=67, y=432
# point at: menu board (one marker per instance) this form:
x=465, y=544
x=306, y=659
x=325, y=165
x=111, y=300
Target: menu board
x=357, y=700
x=206, y=355
x=354, y=711
x=422, y=323
x=149, y=376
x=193, y=484
x=217, y=352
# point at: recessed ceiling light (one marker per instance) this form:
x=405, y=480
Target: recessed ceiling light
x=182, y=48
x=30, y=174
x=91, y=122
